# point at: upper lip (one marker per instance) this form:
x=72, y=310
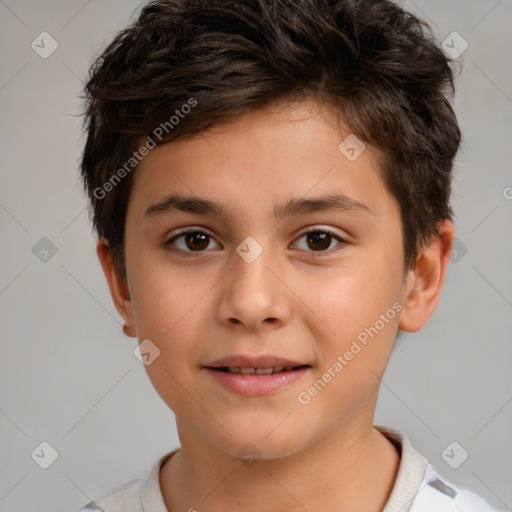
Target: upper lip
x=246, y=361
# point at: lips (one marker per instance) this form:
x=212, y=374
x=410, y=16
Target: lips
x=256, y=375
x=251, y=370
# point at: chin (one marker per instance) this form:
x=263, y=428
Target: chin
x=250, y=441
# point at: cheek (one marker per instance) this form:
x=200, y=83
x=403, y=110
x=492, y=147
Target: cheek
x=356, y=312
x=168, y=310
x=166, y=298
x=347, y=301
x=360, y=309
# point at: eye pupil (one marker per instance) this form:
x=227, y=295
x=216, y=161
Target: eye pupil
x=317, y=237
x=196, y=241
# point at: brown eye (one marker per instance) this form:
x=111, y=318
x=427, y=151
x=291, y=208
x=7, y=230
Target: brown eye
x=191, y=241
x=318, y=241
x=196, y=241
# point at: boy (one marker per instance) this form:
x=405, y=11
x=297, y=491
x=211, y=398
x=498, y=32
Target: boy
x=227, y=143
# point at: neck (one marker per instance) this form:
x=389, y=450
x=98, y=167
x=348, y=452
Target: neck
x=351, y=468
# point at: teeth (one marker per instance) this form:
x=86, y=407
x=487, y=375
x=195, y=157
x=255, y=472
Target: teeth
x=259, y=371
x=264, y=371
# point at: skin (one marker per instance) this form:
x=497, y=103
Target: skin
x=293, y=301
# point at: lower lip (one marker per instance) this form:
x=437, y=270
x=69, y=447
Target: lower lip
x=257, y=385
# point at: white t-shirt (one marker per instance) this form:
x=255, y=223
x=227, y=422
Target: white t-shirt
x=418, y=488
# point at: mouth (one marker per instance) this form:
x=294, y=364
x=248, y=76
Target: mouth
x=255, y=375
x=256, y=362
x=248, y=370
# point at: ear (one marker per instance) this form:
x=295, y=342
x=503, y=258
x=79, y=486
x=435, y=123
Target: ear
x=118, y=288
x=425, y=281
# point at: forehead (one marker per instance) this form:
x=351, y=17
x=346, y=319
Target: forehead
x=262, y=160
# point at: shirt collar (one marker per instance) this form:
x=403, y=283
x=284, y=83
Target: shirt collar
x=410, y=474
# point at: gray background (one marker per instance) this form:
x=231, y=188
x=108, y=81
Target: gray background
x=68, y=374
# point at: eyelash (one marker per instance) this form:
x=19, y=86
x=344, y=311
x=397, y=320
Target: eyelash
x=314, y=253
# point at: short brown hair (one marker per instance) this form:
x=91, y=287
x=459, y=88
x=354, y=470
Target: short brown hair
x=376, y=64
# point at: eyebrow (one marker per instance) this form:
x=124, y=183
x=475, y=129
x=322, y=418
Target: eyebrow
x=191, y=204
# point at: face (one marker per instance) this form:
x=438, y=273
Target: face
x=259, y=247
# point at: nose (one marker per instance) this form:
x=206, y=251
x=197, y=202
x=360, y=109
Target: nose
x=253, y=294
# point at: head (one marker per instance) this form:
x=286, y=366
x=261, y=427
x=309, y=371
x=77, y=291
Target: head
x=234, y=122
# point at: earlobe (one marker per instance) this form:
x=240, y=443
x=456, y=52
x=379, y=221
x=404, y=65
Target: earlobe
x=118, y=288
x=425, y=281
